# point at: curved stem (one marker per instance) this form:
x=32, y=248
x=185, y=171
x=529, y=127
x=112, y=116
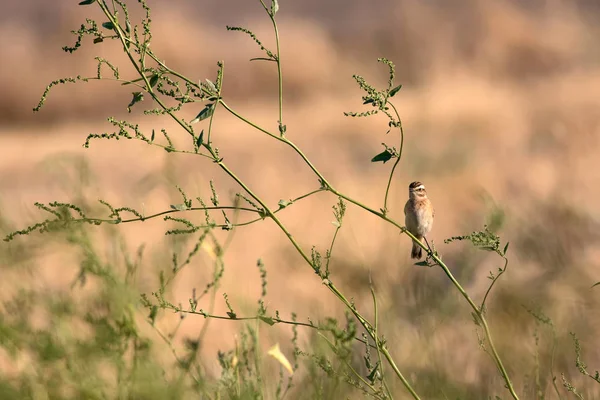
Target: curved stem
x=279, y=76
x=387, y=190
x=389, y=184
x=489, y=289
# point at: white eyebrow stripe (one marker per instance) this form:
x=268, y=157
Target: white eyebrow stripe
x=419, y=187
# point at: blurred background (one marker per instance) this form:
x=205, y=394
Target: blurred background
x=501, y=109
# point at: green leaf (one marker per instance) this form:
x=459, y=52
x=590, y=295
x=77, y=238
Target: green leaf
x=476, y=319
x=505, y=248
x=211, y=85
x=200, y=139
x=422, y=264
x=205, y=113
x=179, y=207
x=383, y=156
x=154, y=80
x=231, y=315
x=98, y=40
x=374, y=374
x=153, y=313
x=108, y=25
x=267, y=320
x=152, y=137
x=395, y=90
x=487, y=248
x=86, y=2
x=137, y=97
x=284, y=203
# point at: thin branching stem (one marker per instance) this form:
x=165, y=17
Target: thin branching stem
x=372, y=331
x=169, y=344
x=389, y=184
x=489, y=289
x=351, y=368
x=261, y=317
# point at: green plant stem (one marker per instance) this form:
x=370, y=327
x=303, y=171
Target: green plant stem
x=337, y=229
x=378, y=347
x=279, y=76
x=212, y=116
x=351, y=368
x=278, y=61
x=489, y=289
x=371, y=332
x=169, y=343
x=389, y=184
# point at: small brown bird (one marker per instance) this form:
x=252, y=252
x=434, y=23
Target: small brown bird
x=418, y=215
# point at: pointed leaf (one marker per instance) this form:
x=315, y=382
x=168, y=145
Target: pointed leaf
x=153, y=80
x=205, y=113
x=487, y=248
x=231, y=315
x=383, y=156
x=137, y=97
x=211, y=85
x=153, y=313
x=108, y=25
x=505, y=248
x=179, y=207
x=267, y=320
x=395, y=90
x=422, y=264
x=86, y=2
x=200, y=139
x=284, y=203
x=152, y=137
x=374, y=374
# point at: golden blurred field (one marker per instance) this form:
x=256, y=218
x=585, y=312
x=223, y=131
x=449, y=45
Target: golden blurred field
x=501, y=108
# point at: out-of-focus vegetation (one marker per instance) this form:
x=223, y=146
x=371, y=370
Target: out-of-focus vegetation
x=501, y=114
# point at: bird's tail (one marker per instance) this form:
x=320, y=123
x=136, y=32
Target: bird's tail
x=417, y=251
